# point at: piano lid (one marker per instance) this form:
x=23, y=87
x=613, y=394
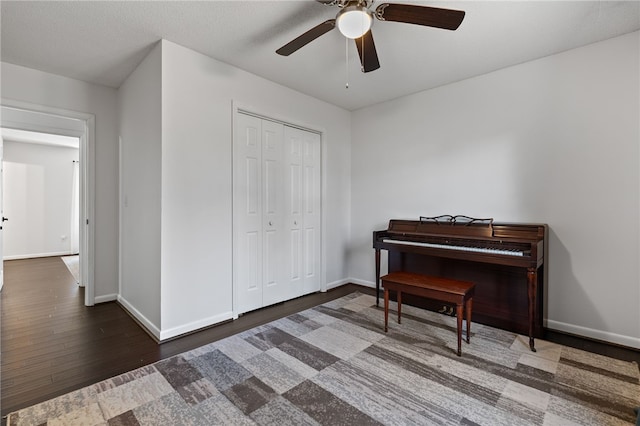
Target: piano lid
x=452, y=225
x=465, y=226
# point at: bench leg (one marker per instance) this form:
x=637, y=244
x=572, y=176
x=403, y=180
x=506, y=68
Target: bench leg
x=399, y=297
x=459, y=309
x=386, y=309
x=468, y=308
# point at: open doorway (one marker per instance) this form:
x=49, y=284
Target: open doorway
x=41, y=199
x=19, y=118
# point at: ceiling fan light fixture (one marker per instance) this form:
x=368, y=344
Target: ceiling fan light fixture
x=354, y=21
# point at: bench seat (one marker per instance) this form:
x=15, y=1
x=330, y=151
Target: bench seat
x=445, y=290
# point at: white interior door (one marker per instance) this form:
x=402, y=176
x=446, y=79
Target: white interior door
x=274, y=287
x=303, y=209
x=276, y=220
x=312, y=211
x=247, y=216
x=293, y=201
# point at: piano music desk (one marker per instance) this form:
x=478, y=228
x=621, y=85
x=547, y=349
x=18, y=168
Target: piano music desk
x=442, y=289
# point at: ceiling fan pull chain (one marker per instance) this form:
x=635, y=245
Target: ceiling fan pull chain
x=346, y=50
x=362, y=58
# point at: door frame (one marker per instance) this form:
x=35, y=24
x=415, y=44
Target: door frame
x=46, y=119
x=240, y=108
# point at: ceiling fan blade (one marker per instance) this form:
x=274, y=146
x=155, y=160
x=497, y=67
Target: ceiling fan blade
x=447, y=19
x=367, y=52
x=307, y=37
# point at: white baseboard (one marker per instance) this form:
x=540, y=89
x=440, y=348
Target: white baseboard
x=106, y=298
x=194, y=326
x=605, y=336
x=146, y=323
x=35, y=255
x=344, y=281
x=162, y=335
x=337, y=283
x=364, y=283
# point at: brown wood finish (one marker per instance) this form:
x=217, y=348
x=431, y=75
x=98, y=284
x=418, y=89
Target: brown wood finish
x=367, y=52
x=447, y=19
x=459, y=293
x=307, y=37
x=52, y=344
x=509, y=289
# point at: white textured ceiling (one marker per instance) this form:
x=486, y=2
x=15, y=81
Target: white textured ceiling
x=103, y=41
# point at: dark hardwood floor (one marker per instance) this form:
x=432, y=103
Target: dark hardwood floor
x=52, y=344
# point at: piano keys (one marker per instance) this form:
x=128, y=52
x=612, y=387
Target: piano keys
x=473, y=248
x=506, y=261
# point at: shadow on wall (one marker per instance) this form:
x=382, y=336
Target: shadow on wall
x=360, y=252
x=563, y=286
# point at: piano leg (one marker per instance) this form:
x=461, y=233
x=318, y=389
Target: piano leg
x=459, y=311
x=377, y=277
x=386, y=310
x=468, y=306
x=532, y=284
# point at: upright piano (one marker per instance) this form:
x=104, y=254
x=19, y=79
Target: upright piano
x=506, y=261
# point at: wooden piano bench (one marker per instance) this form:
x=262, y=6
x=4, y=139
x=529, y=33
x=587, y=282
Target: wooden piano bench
x=442, y=289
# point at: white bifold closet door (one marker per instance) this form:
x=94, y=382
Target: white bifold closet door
x=276, y=212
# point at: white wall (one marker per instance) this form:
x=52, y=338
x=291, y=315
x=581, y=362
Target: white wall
x=139, y=118
x=553, y=141
x=37, y=196
x=197, y=96
x=175, y=121
x=40, y=88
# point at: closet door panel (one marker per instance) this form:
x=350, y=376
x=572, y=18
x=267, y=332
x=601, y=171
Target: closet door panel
x=310, y=254
x=294, y=262
x=276, y=212
x=251, y=260
x=294, y=187
x=275, y=288
x=252, y=180
x=293, y=194
x=271, y=275
x=312, y=208
x=247, y=250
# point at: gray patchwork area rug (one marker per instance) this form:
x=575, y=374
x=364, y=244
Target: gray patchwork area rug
x=334, y=365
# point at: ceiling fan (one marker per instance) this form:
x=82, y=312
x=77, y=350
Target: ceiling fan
x=354, y=21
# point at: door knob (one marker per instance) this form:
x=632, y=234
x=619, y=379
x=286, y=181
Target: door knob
x=4, y=218
x=270, y=224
